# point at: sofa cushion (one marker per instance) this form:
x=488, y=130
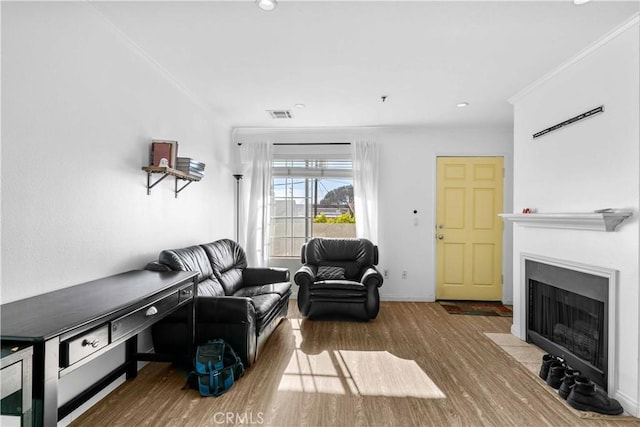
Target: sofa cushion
x=265, y=305
x=227, y=261
x=192, y=258
x=210, y=288
x=283, y=289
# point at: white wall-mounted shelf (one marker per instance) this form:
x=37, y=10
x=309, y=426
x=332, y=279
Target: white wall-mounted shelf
x=600, y=221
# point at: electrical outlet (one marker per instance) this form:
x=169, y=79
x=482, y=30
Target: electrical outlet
x=404, y=274
x=385, y=273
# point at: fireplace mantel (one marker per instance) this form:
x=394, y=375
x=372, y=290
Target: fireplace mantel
x=599, y=221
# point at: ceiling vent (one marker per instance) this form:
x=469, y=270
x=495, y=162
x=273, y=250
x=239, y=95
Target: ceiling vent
x=280, y=114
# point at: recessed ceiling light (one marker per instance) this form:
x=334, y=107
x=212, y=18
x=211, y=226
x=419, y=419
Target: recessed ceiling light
x=299, y=105
x=462, y=104
x=267, y=5
x=580, y=2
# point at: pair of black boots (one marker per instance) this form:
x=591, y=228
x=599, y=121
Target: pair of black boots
x=579, y=391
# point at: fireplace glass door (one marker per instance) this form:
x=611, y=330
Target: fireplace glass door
x=572, y=321
x=567, y=316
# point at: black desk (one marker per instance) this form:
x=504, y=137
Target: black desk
x=16, y=385
x=72, y=326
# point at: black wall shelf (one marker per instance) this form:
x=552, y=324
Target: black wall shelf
x=165, y=172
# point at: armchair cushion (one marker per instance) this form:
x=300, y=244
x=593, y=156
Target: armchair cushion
x=326, y=272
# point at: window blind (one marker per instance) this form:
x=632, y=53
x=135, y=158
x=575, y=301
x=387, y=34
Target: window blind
x=331, y=160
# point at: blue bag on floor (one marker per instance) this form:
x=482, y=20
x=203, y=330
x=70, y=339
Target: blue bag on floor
x=217, y=367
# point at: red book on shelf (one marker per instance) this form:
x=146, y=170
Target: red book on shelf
x=164, y=150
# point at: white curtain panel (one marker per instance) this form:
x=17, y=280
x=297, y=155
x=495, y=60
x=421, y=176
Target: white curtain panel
x=364, y=155
x=256, y=201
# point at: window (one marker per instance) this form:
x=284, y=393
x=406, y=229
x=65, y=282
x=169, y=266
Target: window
x=310, y=198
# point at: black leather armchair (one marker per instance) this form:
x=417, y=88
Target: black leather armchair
x=240, y=304
x=338, y=278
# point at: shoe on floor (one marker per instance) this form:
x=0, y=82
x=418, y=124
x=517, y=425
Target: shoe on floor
x=567, y=382
x=585, y=396
x=547, y=359
x=556, y=374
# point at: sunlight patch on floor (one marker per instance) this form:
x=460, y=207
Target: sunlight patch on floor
x=366, y=373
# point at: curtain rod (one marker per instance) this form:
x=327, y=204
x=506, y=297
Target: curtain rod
x=310, y=143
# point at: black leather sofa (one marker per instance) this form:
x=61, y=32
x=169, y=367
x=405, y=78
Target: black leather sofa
x=339, y=279
x=240, y=304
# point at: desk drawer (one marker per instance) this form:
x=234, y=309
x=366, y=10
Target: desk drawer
x=143, y=317
x=81, y=346
x=185, y=293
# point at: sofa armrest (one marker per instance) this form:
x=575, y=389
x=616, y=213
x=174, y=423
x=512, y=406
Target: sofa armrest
x=255, y=276
x=371, y=277
x=225, y=309
x=306, y=275
x=157, y=266
x=232, y=319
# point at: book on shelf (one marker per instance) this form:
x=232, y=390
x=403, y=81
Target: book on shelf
x=191, y=171
x=187, y=161
x=164, y=149
x=190, y=166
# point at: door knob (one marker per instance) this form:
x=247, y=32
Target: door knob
x=440, y=236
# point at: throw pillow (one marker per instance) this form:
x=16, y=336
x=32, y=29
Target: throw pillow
x=330, y=273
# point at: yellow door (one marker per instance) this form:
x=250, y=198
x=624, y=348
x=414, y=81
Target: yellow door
x=468, y=230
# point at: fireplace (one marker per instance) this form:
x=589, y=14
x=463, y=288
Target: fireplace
x=568, y=310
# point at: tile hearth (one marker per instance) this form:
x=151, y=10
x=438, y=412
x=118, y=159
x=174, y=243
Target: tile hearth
x=530, y=356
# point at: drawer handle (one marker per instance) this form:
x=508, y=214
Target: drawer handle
x=151, y=311
x=186, y=292
x=93, y=344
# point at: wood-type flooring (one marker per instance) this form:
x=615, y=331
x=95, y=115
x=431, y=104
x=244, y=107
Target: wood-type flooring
x=414, y=365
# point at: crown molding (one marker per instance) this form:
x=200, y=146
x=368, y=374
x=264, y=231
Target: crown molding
x=631, y=22
x=147, y=57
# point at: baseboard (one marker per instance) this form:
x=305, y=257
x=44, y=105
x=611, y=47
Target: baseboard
x=403, y=298
x=630, y=405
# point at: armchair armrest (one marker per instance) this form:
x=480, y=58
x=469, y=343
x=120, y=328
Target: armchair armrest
x=254, y=276
x=306, y=275
x=371, y=277
x=225, y=309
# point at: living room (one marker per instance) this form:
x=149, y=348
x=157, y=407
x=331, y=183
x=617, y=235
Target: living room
x=86, y=87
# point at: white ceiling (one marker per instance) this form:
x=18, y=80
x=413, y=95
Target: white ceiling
x=338, y=58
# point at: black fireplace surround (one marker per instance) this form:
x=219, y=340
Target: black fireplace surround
x=567, y=314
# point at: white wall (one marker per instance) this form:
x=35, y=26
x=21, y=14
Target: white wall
x=407, y=183
x=589, y=165
x=80, y=107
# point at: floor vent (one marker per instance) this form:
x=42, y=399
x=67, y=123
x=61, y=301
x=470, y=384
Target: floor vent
x=280, y=114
